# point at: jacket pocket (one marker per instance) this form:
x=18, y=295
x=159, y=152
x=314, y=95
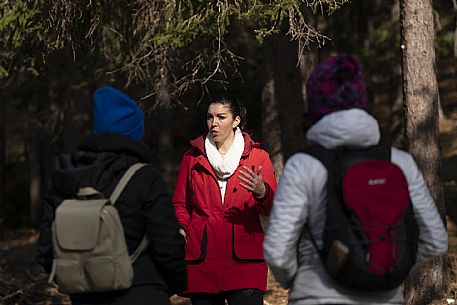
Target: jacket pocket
x=196, y=243
x=247, y=244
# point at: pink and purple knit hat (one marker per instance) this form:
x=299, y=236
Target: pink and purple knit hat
x=336, y=84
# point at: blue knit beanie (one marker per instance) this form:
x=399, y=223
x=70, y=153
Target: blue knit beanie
x=113, y=111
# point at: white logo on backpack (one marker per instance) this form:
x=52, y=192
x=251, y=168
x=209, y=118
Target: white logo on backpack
x=377, y=181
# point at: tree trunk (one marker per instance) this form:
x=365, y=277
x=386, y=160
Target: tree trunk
x=33, y=153
x=397, y=128
x=2, y=165
x=429, y=281
x=76, y=111
x=284, y=87
x=163, y=128
x=165, y=144
x=271, y=133
x=310, y=59
x=454, y=4
x=271, y=138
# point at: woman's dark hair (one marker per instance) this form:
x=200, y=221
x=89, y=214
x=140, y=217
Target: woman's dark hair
x=235, y=107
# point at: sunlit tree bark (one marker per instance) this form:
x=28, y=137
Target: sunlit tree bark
x=426, y=282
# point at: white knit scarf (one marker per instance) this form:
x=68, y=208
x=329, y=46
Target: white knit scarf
x=225, y=166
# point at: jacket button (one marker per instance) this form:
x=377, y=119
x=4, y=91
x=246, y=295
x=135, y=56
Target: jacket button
x=234, y=190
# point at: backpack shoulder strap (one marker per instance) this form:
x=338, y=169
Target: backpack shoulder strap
x=124, y=180
x=327, y=157
x=141, y=247
x=115, y=195
x=324, y=155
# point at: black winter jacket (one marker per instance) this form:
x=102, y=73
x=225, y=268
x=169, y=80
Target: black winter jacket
x=144, y=206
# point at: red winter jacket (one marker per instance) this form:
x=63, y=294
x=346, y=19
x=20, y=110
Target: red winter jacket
x=224, y=241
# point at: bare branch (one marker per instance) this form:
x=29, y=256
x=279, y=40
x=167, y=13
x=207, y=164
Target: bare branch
x=165, y=43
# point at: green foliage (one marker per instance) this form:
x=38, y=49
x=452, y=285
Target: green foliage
x=384, y=41
x=160, y=43
x=22, y=35
x=3, y=72
x=267, y=18
x=189, y=22
x=444, y=44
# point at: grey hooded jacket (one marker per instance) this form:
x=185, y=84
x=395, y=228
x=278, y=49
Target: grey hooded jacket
x=301, y=199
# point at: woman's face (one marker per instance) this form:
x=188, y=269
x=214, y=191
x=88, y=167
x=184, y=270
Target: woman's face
x=221, y=122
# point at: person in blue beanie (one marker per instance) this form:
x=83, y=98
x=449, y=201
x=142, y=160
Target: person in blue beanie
x=144, y=205
x=116, y=112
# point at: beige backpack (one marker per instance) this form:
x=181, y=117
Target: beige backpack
x=90, y=251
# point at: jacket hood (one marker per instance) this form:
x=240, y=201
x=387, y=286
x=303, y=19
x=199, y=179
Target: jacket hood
x=353, y=127
x=249, y=144
x=98, y=159
x=114, y=142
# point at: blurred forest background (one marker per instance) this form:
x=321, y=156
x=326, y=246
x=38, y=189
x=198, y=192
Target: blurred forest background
x=172, y=56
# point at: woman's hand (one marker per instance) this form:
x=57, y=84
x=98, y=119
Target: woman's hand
x=183, y=233
x=253, y=181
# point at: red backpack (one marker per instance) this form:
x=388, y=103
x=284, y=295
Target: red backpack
x=370, y=236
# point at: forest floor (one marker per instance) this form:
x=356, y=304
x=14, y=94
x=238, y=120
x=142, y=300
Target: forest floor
x=23, y=282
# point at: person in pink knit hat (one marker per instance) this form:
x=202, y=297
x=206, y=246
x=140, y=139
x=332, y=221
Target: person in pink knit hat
x=337, y=100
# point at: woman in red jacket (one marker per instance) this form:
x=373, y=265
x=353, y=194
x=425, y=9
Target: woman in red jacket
x=225, y=182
